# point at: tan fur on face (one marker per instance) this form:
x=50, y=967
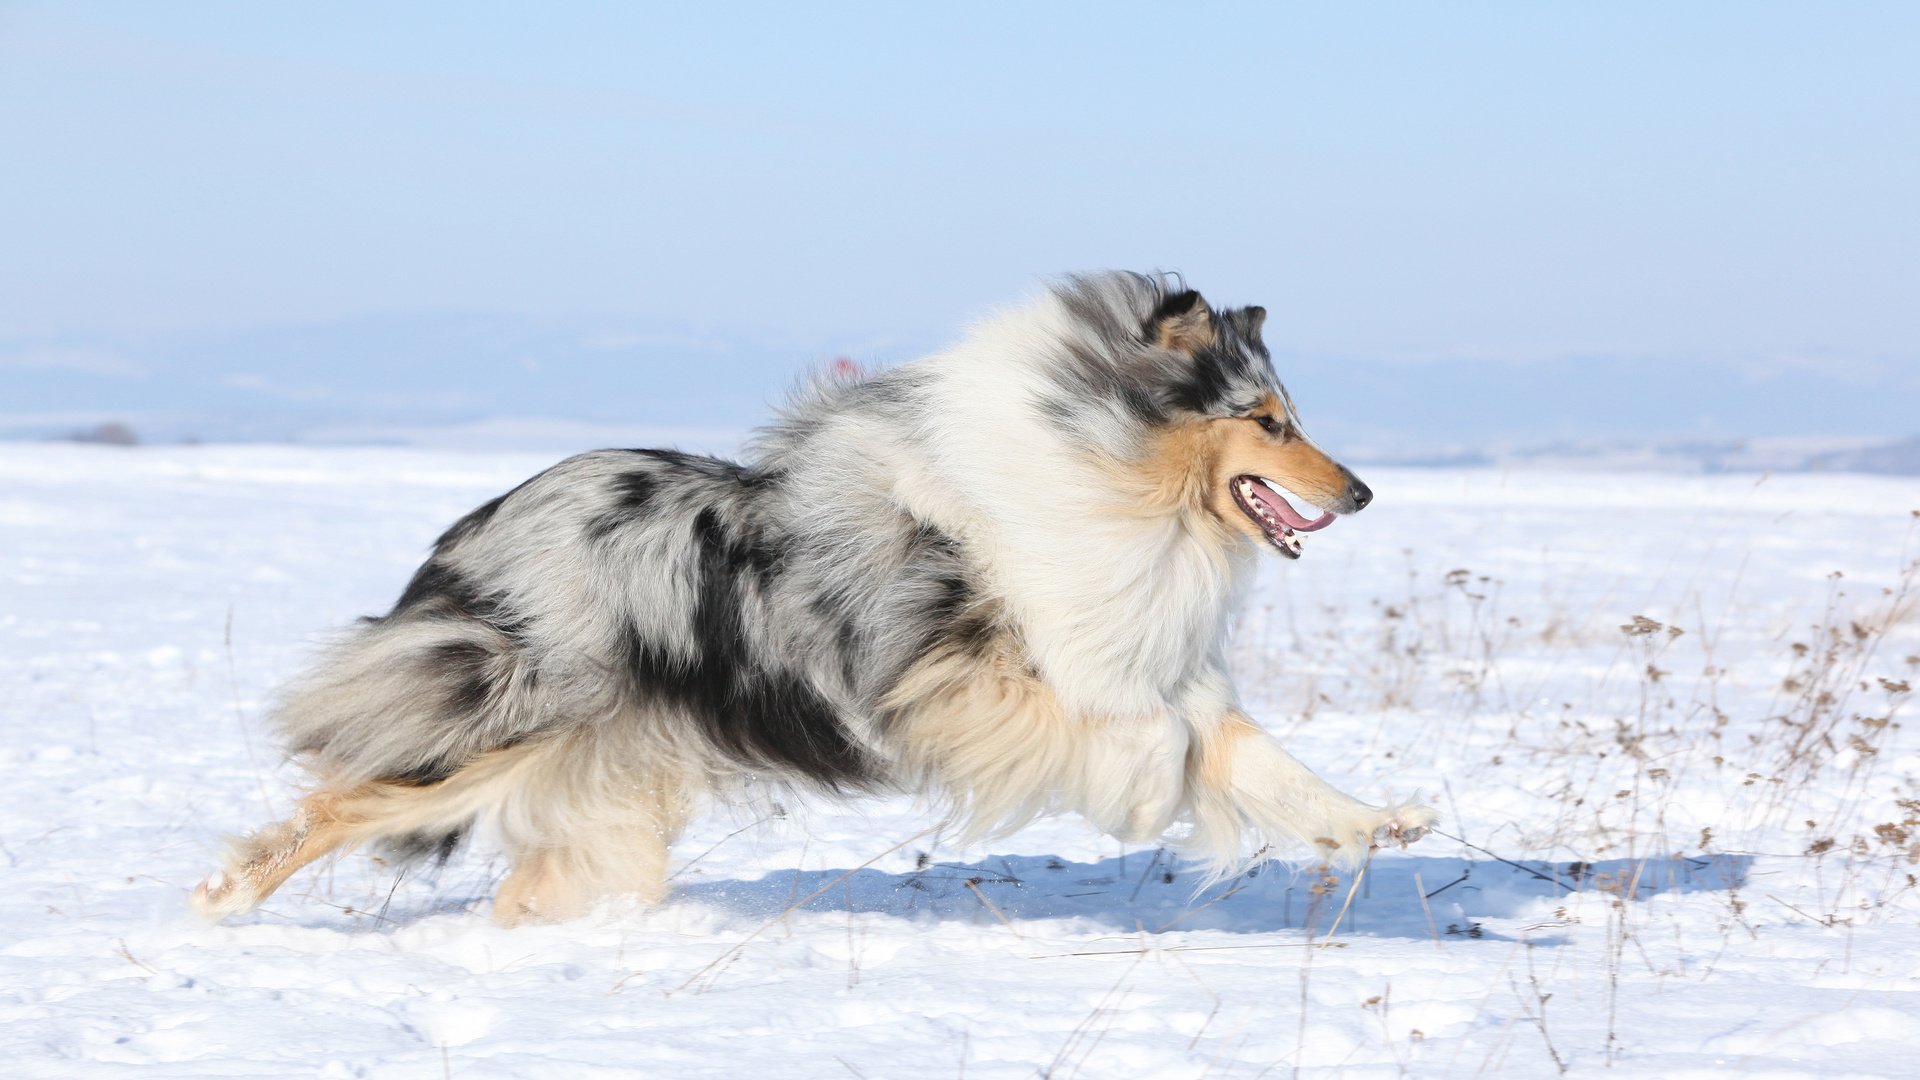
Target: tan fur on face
x=1177, y=472
x=1192, y=466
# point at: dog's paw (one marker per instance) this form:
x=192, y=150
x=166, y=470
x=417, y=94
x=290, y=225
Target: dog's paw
x=220, y=896
x=1404, y=825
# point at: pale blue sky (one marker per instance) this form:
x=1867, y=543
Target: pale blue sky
x=200, y=200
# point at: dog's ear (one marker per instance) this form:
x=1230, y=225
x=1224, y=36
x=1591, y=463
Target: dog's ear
x=1182, y=322
x=1252, y=318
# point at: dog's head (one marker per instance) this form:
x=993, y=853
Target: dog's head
x=1211, y=427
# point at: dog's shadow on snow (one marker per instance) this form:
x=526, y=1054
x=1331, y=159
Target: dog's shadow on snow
x=1399, y=896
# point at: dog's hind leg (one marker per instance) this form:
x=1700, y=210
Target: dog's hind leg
x=565, y=880
x=587, y=833
x=258, y=864
x=1240, y=780
x=340, y=816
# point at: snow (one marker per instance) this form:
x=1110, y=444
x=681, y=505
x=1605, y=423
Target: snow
x=1626, y=885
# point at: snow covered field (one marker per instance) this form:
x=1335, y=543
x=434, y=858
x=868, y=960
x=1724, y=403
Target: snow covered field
x=1672, y=855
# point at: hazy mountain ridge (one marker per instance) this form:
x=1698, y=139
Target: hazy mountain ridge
x=470, y=380
x=1839, y=453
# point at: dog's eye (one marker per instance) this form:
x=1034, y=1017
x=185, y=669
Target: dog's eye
x=1269, y=425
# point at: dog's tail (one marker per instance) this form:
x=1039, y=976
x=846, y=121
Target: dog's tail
x=411, y=699
x=415, y=724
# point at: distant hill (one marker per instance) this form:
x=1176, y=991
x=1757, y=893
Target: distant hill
x=482, y=380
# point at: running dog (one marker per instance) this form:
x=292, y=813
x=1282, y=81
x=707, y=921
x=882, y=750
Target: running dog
x=1000, y=576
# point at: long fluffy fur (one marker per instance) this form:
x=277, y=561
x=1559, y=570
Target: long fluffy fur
x=1001, y=575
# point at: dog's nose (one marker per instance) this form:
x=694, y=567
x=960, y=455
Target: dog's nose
x=1360, y=493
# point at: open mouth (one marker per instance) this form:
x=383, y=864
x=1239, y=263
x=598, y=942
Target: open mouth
x=1263, y=501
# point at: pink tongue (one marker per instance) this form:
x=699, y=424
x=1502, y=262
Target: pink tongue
x=1288, y=514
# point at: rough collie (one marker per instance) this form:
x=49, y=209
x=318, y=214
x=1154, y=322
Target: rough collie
x=1001, y=576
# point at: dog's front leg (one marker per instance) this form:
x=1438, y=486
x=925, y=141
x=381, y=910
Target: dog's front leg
x=1240, y=781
